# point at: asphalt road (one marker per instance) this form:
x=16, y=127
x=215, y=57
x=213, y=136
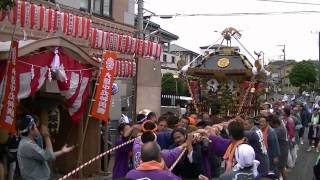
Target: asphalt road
x=304, y=165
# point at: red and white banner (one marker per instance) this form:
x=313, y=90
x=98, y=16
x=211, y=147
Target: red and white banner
x=100, y=107
x=9, y=101
x=76, y=91
x=3, y=65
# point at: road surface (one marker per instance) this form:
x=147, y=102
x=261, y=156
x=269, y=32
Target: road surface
x=304, y=165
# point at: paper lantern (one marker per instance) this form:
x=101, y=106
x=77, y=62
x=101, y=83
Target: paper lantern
x=116, y=68
x=134, y=69
x=93, y=37
x=129, y=44
x=99, y=39
x=126, y=68
x=129, y=69
x=40, y=17
x=87, y=28
x=108, y=41
x=104, y=40
x=75, y=28
x=111, y=34
x=49, y=19
x=13, y=14
x=133, y=45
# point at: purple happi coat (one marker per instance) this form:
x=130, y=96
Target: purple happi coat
x=169, y=156
x=152, y=174
x=218, y=146
x=121, y=166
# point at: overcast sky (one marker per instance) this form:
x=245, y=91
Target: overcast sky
x=259, y=33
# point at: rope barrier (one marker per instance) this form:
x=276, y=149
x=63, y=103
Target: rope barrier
x=96, y=158
x=178, y=159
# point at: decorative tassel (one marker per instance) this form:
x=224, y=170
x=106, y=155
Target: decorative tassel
x=56, y=60
x=49, y=75
x=32, y=72
x=24, y=35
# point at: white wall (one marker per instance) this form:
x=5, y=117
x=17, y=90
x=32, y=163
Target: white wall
x=70, y=3
x=129, y=15
x=169, y=60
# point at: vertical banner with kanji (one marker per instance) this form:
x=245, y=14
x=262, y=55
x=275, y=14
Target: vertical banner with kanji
x=9, y=102
x=102, y=97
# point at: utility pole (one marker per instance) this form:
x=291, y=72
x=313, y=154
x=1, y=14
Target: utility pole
x=141, y=36
x=319, y=46
x=284, y=64
x=140, y=19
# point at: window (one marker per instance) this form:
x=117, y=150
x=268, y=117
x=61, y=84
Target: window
x=173, y=59
x=102, y=7
x=85, y=5
x=164, y=58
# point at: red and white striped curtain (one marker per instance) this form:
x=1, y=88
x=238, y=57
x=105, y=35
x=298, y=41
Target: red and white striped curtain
x=33, y=73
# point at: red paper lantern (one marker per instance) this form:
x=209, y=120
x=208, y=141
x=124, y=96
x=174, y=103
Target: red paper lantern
x=129, y=69
x=134, y=69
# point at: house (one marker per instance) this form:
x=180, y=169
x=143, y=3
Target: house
x=280, y=71
x=175, y=57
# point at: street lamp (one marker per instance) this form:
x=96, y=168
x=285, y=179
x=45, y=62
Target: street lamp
x=176, y=77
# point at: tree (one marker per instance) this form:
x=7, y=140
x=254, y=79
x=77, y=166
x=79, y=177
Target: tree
x=302, y=74
x=6, y=4
x=168, y=85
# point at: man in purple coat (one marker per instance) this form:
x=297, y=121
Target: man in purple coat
x=169, y=156
x=152, y=165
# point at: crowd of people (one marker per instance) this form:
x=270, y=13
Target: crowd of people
x=197, y=146
x=192, y=146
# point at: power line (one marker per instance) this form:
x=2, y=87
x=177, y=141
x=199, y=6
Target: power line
x=238, y=14
x=291, y=2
